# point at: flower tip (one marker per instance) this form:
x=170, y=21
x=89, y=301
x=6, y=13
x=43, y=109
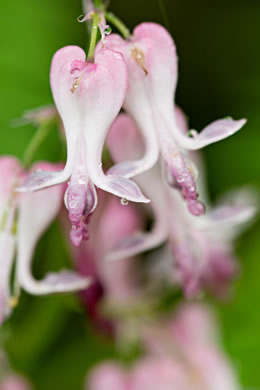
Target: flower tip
x=196, y=208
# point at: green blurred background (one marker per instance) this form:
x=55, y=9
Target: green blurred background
x=49, y=339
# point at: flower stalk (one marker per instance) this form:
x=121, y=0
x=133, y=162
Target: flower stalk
x=113, y=19
x=93, y=37
x=37, y=139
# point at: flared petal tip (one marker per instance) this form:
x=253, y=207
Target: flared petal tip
x=66, y=281
x=39, y=180
x=56, y=282
x=128, y=247
x=124, y=188
x=217, y=131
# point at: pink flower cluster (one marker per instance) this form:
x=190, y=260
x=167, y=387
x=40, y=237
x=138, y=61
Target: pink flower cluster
x=150, y=142
x=183, y=354
x=156, y=166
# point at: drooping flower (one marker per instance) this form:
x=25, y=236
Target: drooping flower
x=24, y=218
x=151, y=60
x=112, y=284
x=178, y=356
x=88, y=96
x=201, y=248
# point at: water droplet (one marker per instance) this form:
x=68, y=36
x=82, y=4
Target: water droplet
x=73, y=227
x=100, y=165
x=38, y=170
x=124, y=202
x=180, y=179
x=108, y=30
x=81, y=181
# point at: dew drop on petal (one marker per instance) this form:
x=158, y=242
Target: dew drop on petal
x=124, y=202
x=108, y=30
x=180, y=179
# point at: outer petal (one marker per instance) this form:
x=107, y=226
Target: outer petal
x=124, y=142
x=15, y=382
x=68, y=106
x=152, y=71
x=102, y=93
x=138, y=108
x=216, y=131
x=7, y=249
x=36, y=212
x=159, y=374
x=117, y=222
x=231, y=216
x=140, y=242
x=107, y=376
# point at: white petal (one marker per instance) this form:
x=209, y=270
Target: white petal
x=7, y=250
x=216, y=131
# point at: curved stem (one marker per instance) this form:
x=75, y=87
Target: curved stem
x=112, y=18
x=93, y=37
x=39, y=136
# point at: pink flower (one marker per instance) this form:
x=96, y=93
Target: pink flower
x=108, y=376
x=201, y=248
x=151, y=60
x=182, y=353
x=14, y=382
x=112, y=284
x=24, y=218
x=114, y=222
x=88, y=97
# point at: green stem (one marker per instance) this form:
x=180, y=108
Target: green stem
x=39, y=136
x=93, y=37
x=111, y=18
x=98, y=3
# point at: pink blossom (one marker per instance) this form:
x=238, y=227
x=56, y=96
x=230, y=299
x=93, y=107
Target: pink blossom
x=24, y=219
x=14, y=382
x=151, y=60
x=182, y=353
x=201, y=248
x=88, y=97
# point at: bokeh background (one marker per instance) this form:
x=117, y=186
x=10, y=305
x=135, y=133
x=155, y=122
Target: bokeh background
x=49, y=339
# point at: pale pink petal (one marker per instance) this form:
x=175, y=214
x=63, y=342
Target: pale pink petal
x=36, y=213
x=233, y=214
x=11, y=172
x=139, y=108
x=194, y=323
x=216, y=131
x=103, y=95
x=164, y=373
x=125, y=142
x=62, y=79
x=124, y=188
x=15, y=382
x=107, y=376
x=7, y=252
x=116, y=222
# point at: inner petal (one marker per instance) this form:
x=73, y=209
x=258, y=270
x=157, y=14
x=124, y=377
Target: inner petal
x=81, y=200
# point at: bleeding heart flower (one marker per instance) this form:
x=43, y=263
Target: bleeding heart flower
x=88, y=97
x=24, y=218
x=151, y=60
x=201, y=248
